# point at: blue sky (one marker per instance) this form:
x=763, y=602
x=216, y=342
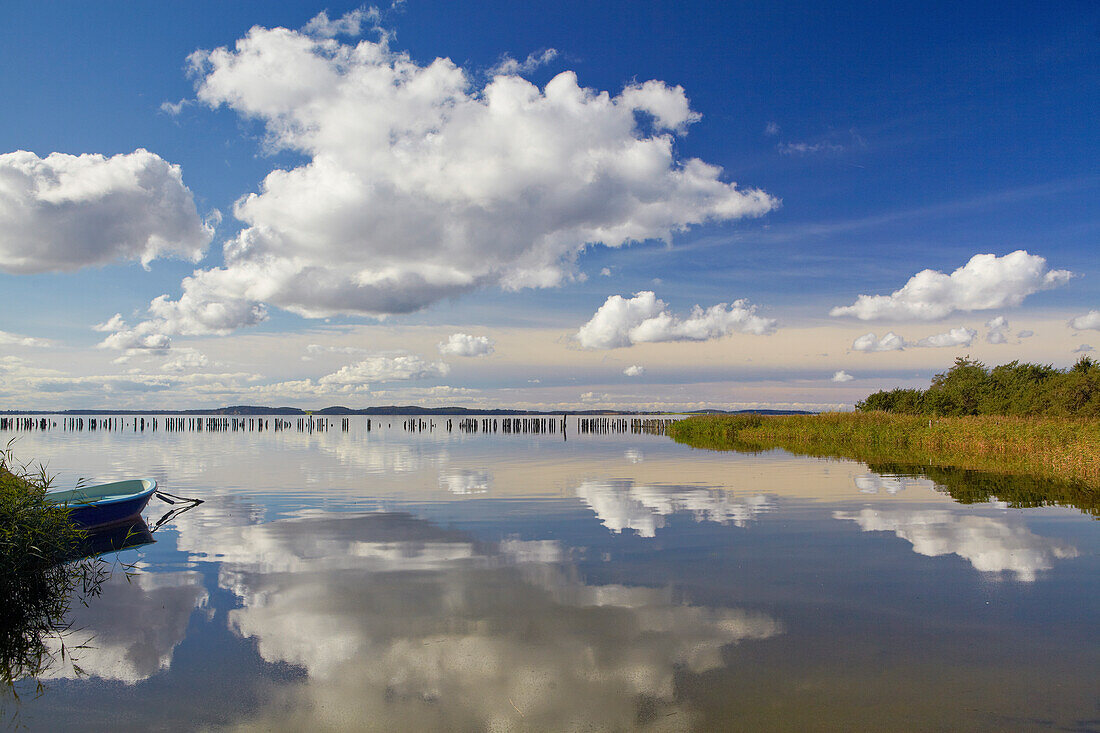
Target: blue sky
x=888, y=141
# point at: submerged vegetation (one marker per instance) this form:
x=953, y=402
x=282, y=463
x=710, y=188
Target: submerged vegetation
x=1026, y=461
x=1027, y=390
x=38, y=579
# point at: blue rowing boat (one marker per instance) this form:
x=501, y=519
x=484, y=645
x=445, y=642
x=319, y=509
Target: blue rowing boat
x=98, y=506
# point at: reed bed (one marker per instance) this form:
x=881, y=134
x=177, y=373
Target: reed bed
x=37, y=580
x=1064, y=451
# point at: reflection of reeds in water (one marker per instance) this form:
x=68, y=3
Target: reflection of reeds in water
x=1024, y=461
x=39, y=580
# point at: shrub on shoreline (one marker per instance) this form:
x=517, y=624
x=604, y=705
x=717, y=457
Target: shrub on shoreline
x=970, y=388
x=36, y=580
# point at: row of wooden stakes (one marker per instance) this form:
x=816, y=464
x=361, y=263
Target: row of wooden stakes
x=310, y=424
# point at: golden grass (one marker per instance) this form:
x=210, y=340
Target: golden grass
x=1063, y=451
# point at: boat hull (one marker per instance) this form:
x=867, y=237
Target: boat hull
x=106, y=504
x=94, y=515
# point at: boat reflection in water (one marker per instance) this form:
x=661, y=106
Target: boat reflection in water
x=114, y=538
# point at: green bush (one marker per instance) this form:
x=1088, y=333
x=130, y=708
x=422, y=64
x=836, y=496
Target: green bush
x=36, y=579
x=1025, y=390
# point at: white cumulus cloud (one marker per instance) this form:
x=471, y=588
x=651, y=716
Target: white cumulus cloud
x=1087, y=321
x=871, y=342
x=185, y=360
x=385, y=369
x=997, y=330
x=961, y=336
x=64, y=212
x=634, y=370
x=464, y=344
x=144, y=336
x=645, y=318
x=191, y=315
x=420, y=184
x=842, y=376
x=983, y=283
x=114, y=323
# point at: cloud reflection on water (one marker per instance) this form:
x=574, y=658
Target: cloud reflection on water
x=990, y=544
x=874, y=483
x=402, y=625
x=466, y=481
x=622, y=504
x=132, y=629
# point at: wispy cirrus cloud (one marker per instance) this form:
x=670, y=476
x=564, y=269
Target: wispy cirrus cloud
x=349, y=24
x=509, y=66
x=801, y=148
x=15, y=339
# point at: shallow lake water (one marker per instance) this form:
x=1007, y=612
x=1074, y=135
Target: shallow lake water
x=390, y=580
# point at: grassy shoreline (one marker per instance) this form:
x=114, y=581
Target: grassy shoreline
x=1058, y=457
x=37, y=581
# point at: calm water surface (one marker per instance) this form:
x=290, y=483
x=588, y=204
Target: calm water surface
x=396, y=581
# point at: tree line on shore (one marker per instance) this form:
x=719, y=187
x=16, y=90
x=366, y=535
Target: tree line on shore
x=971, y=388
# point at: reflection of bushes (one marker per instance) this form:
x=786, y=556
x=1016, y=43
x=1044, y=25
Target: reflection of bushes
x=1024, y=461
x=37, y=585
x=970, y=486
